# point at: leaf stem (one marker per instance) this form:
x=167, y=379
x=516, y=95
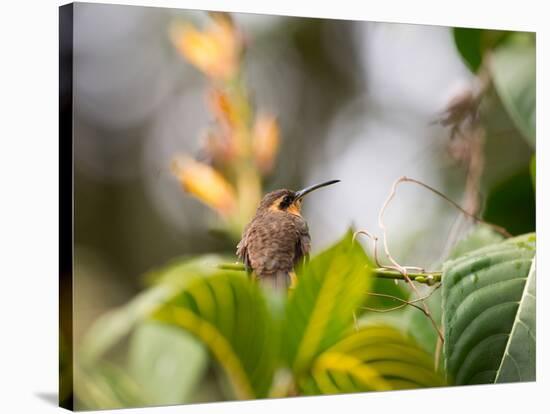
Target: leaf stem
x=428, y=278
x=232, y=266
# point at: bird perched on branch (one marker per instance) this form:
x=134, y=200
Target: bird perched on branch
x=277, y=238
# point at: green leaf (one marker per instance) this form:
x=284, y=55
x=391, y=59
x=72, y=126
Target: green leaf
x=468, y=43
x=105, y=386
x=519, y=362
x=167, y=362
x=409, y=320
x=385, y=287
x=229, y=314
x=111, y=327
x=419, y=325
x=513, y=69
x=511, y=203
x=472, y=44
x=321, y=307
x=416, y=324
x=480, y=236
x=373, y=358
x=483, y=292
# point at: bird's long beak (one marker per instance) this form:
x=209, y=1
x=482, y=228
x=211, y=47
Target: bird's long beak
x=300, y=194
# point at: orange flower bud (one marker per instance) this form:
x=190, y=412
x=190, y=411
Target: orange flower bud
x=232, y=114
x=215, y=51
x=222, y=107
x=265, y=142
x=206, y=184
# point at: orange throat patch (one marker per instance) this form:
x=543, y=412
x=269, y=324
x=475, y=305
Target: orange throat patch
x=294, y=208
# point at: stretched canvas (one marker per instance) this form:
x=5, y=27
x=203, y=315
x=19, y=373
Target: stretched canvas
x=259, y=206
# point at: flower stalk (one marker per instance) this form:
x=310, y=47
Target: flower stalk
x=241, y=147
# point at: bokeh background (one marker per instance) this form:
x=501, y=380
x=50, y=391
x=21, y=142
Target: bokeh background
x=356, y=101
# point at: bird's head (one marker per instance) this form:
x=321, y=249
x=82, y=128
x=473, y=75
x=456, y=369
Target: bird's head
x=287, y=200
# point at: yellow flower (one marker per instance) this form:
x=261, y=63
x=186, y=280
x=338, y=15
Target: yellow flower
x=206, y=184
x=265, y=142
x=215, y=51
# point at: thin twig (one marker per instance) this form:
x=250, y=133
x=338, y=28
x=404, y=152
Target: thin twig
x=384, y=295
x=394, y=308
x=403, y=304
x=398, y=267
x=403, y=270
x=478, y=219
x=452, y=238
x=472, y=155
x=374, y=243
x=437, y=355
x=375, y=250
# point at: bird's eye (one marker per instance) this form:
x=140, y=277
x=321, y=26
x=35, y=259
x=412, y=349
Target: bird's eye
x=286, y=201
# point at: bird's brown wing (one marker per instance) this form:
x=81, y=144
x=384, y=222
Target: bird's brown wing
x=242, y=251
x=303, y=245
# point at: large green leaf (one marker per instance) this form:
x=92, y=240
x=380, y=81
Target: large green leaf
x=519, y=362
x=320, y=309
x=380, y=286
x=472, y=44
x=409, y=320
x=468, y=43
x=480, y=236
x=513, y=70
x=483, y=295
x=167, y=362
x=511, y=203
x=229, y=314
x=105, y=386
x=419, y=326
x=114, y=325
x=415, y=323
x=373, y=358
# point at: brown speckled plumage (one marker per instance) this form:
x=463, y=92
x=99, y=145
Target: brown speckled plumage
x=277, y=238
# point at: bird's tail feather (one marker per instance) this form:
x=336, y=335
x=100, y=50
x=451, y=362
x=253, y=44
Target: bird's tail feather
x=280, y=280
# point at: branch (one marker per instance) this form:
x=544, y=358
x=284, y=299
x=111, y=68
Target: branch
x=498, y=229
x=428, y=278
x=403, y=301
x=232, y=266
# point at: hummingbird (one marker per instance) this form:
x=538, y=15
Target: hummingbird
x=277, y=238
